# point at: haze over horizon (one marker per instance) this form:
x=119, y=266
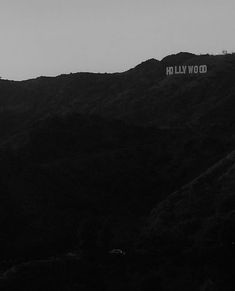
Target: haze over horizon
x=52, y=37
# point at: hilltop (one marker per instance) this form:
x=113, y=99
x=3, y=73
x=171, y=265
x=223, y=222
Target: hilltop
x=143, y=95
x=136, y=160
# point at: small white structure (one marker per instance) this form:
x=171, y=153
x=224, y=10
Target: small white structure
x=117, y=252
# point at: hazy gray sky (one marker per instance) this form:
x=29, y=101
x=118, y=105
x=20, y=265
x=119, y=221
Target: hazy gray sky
x=51, y=37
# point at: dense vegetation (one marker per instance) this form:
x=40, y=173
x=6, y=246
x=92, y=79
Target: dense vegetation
x=133, y=160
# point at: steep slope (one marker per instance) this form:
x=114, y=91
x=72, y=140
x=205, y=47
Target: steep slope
x=192, y=232
x=75, y=167
x=142, y=95
x=84, y=157
x=208, y=197
x=84, y=161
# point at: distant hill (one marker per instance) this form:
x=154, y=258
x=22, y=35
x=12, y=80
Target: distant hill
x=139, y=123
x=143, y=95
x=136, y=160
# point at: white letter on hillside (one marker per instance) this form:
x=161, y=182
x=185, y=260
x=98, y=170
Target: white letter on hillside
x=176, y=72
x=195, y=69
x=190, y=69
x=203, y=69
x=169, y=71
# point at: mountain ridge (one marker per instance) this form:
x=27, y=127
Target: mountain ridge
x=143, y=95
x=137, y=160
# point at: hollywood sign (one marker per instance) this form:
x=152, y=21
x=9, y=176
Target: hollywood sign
x=176, y=70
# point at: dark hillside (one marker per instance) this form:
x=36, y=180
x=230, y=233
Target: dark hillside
x=142, y=95
x=85, y=158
